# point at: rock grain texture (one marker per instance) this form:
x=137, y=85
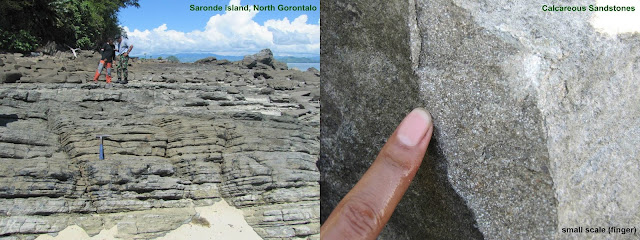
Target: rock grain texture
x=181, y=136
x=535, y=114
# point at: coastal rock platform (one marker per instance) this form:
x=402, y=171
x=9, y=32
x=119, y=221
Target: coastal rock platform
x=182, y=136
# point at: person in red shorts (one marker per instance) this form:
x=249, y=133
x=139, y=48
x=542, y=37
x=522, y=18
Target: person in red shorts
x=108, y=54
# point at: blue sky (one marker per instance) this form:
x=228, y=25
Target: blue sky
x=169, y=27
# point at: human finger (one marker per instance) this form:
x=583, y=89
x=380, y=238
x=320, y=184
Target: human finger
x=365, y=210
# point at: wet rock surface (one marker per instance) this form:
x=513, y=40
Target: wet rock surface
x=181, y=135
x=534, y=116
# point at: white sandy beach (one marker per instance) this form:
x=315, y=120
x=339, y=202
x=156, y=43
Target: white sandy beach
x=226, y=222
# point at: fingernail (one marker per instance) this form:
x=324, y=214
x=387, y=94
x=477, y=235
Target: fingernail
x=414, y=126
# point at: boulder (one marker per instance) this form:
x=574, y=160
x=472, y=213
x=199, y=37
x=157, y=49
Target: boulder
x=266, y=91
x=223, y=62
x=233, y=90
x=207, y=60
x=9, y=59
x=216, y=96
x=10, y=77
x=70, y=68
x=173, y=78
x=277, y=65
x=265, y=56
x=262, y=60
x=305, y=77
x=25, y=64
x=281, y=84
x=76, y=78
x=315, y=95
x=50, y=48
x=53, y=77
x=314, y=71
x=46, y=64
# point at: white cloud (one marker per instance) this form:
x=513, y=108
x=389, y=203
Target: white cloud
x=231, y=33
x=614, y=22
x=296, y=32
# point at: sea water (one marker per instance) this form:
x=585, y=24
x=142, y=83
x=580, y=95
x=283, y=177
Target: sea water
x=303, y=66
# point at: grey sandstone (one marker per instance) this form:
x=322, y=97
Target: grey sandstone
x=536, y=120
x=182, y=136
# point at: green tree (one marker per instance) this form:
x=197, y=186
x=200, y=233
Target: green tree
x=21, y=41
x=173, y=59
x=25, y=25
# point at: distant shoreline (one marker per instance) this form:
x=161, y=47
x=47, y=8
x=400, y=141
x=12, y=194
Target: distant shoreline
x=192, y=57
x=303, y=66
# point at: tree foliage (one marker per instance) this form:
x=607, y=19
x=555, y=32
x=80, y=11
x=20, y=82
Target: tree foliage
x=173, y=59
x=27, y=24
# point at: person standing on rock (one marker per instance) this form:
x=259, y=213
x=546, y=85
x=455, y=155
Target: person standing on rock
x=123, y=47
x=108, y=54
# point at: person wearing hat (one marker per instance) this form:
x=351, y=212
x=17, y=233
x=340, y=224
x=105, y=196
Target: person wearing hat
x=123, y=47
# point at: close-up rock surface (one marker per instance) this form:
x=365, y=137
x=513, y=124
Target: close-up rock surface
x=181, y=136
x=536, y=118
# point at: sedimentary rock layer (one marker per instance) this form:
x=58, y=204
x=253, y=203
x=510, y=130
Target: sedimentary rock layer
x=181, y=135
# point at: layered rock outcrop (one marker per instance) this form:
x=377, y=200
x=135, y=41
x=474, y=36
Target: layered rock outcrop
x=181, y=136
x=534, y=113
